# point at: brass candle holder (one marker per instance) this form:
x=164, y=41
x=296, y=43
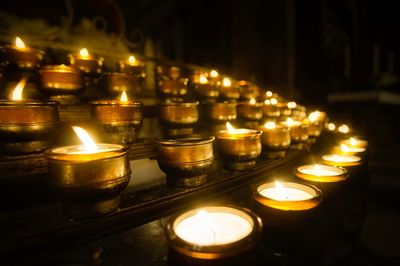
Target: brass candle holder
x=298, y=133
x=342, y=160
x=168, y=72
x=344, y=149
x=172, y=89
x=275, y=140
x=186, y=161
x=115, y=83
x=270, y=108
x=299, y=112
x=228, y=91
x=354, y=142
x=119, y=120
x=321, y=173
x=284, y=109
x=217, y=114
x=248, y=90
x=90, y=177
x=204, y=90
x=316, y=122
x=250, y=111
x=239, y=147
x=20, y=56
x=61, y=83
x=132, y=66
x=213, y=235
x=178, y=119
x=86, y=62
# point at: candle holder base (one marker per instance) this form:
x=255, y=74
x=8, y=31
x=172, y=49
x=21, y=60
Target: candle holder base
x=90, y=208
x=296, y=146
x=240, y=166
x=28, y=147
x=65, y=99
x=273, y=154
x=176, y=132
x=186, y=182
x=119, y=132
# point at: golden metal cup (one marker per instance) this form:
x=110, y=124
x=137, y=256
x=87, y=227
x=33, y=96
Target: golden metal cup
x=172, y=89
x=275, y=141
x=250, y=111
x=22, y=58
x=89, y=64
x=115, y=83
x=178, y=118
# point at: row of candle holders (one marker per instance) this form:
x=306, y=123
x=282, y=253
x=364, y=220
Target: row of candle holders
x=225, y=234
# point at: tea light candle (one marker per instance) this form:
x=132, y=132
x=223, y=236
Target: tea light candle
x=87, y=62
x=239, y=147
x=348, y=150
x=132, y=65
x=275, y=137
x=354, y=142
x=214, y=232
x=287, y=196
x=321, y=173
x=344, y=129
x=87, y=172
x=205, y=90
x=213, y=76
x=341, y=160
x=251, y=110
x=298, y=130
x=270, y=108
x=315, y=124
x=228, y=91
x=119, y=120
x=26, y=126
x=21, y=56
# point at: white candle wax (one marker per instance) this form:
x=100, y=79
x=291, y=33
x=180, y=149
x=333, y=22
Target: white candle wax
x=341, y=158
x=320, y=170
x=288, y=194
x=207, y=228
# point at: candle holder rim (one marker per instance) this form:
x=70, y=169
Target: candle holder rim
x=188, y=104
x=27, y=102
x=256, y=104
x=220, y=250
x=59, y=68
x=224, y=134
x=90, y=56
x=117, y=148
x=257, y=188
x=187, y=141
x=330, y=178
x=225, y=103
x=116, y=102
x=24, y=49
x=342, y=164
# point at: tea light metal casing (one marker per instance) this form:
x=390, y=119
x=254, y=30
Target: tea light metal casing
x=26, y=58
x=27, y=126
x=328, y=173
x=90, y=183
x=119, y=121
x=342, y=160
x=186, y=160
x=239, y=150
x=218, y=252
x=275, y=141
x=61, y=83
x=178, y=119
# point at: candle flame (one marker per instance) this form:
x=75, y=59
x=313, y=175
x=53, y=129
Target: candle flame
x=131, y=59
x=336, y=158
x=253, y=101
x=207, y=223
x=84, y=52
x=17, y=92
x=331, y=126
x=274, y=101
x=290, y=122
x=344, y=129
x=124, y=97
x=203, y=79
x=353, y=141
x=282, y=195
x=314, y=116
x=19, y=43
x=317, y=169
x=267, y=102
x=214, y=73
x=292, y=105
x=344, y=148
x=270, y=125
x=230, y=128
x=269, y=94
x=226, y=82
x=88, y=143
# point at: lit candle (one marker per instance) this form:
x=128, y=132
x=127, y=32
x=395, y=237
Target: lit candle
x=240, y=147
x=26, y=126
x=214, y=232
x=287, y=196
x=87, y=169
x=344, y=129
x=213, y=75
x=132, y=65
x=21, y=56
x=206, y=90
x=341, y=160
x=298, y=130
x=315, y=124
x=228, y=91
x=86, y=62
x=270, y=108
x=354, y=142
x=321, y=173
x=331, y=126
x=275, y=139
x=349, y=150
x=250, y=110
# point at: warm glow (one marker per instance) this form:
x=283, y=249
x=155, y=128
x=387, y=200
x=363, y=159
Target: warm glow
x=282, y=195
x=203, y=79
x=17, y=92
x=207, y=223
x=214, y=73
x=274, y=101
x=292, y=105
x=344, y=129
x=88, y=143
x=19, y=43
x=84, y=52
x=331, y=126
x=270, y=125
x=353, y=142
x=269, y=94
x=253, y=101
x=124, y=97
x=131, y=60
x=230, y=128
x=314, y=116
x=267, y=102
x=344, y=148
x=226, y=82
